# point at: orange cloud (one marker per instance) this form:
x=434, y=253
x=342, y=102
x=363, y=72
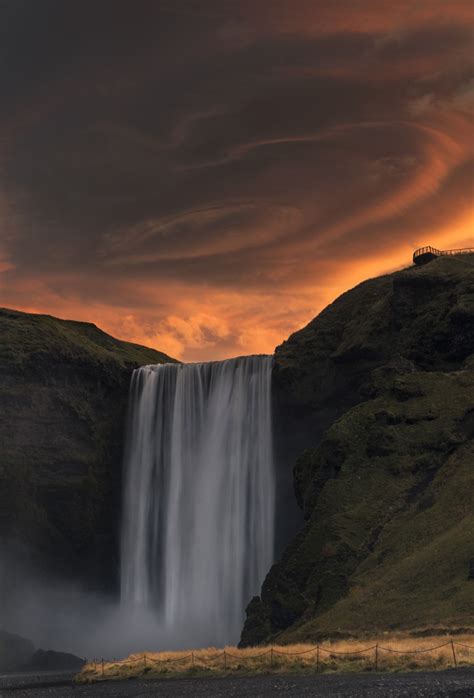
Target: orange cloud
x=206, y=180
x=368, y=16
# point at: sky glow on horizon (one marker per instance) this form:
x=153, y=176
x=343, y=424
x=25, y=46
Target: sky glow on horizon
x=204, y=177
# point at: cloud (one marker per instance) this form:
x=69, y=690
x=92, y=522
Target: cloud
x=204, y=177
x=5, y=264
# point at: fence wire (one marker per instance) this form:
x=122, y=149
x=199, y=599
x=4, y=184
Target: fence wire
x=104, y=665
x=425, y=649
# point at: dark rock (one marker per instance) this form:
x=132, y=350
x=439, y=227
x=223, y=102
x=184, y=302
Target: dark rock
x=405, y=389
x=63, y=400
x=375, y=394
x=49, y=660
x=470, y=574
x=15, y=651
x=380, y=442
x=467, y=423
x=19, y=654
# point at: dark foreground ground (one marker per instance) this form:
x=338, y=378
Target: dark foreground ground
x=457, y=683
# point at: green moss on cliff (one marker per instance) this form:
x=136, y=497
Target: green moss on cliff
x=387, y=486
x=25, y=337
x=63, y=398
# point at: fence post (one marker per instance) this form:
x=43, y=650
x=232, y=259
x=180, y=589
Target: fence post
x=376, y=657
x=454, y=655
x=144, y=661
x=102, y=667
x=271, y=656
x=192, y=658
x=225, y=660
x=317, y=658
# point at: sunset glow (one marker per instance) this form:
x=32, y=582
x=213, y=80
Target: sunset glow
x=204, y=177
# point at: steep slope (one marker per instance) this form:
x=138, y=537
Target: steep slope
x=63, y=398
x=383, y=382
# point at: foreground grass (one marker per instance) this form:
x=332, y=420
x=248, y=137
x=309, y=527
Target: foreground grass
x=390, y=652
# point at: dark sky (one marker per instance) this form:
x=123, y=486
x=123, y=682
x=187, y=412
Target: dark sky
x=204, y=177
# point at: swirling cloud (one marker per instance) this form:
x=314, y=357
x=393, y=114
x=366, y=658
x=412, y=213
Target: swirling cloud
x=205, y=176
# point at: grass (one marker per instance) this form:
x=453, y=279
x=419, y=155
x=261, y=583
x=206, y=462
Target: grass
x=389, y=520
x=408, y=653
x=63, y=400
x=379, y=388
x=30, y=337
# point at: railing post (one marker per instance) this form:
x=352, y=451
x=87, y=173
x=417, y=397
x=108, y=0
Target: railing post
x=225, y=660
x=102, y=667
x=317, y=659
x=271, y=656
x=376, y=657
x=454, y=655
x=144, y=661
x=192, y=658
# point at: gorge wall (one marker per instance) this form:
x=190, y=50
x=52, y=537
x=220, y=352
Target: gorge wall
x=379, y=391
x=374, y=424
x=63, y=400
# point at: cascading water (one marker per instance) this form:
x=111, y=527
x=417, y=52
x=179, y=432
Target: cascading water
x=199, y=495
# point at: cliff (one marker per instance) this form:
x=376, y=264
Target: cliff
x=378, y=391
x=63, y=401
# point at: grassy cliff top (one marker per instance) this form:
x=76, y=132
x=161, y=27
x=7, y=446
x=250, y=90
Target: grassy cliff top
x=423, y=314
x=24, y=336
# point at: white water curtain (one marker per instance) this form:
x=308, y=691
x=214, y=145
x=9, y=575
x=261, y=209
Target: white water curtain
x=199, y=494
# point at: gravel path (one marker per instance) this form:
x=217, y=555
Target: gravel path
x=455, y=683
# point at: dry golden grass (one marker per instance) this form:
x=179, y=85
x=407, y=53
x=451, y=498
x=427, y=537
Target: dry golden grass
x=408, y=653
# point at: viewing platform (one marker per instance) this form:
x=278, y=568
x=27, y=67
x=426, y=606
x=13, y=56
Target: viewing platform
x=426, y=254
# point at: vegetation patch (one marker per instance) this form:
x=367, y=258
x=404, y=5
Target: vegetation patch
x=388, y=652
x=384, y=380
x=63, y=399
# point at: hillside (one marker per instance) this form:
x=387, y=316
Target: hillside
x=378, y=394
x=63, y=399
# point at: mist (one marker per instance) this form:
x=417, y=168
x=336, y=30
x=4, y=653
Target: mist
x=65, y=617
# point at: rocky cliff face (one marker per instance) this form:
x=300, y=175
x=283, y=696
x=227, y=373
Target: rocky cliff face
x=375, y=406
x=63, y=400
x=379, y=390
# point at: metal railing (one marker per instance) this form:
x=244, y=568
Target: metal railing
x=441, y=253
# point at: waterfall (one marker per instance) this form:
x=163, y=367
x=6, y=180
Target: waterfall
x=199, y=495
